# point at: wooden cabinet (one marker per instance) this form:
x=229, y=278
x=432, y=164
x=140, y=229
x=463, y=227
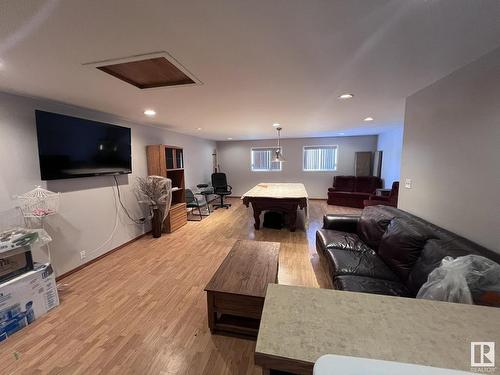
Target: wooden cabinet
x=168, y=161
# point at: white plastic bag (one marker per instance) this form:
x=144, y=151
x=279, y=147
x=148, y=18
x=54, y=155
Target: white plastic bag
x=17, y=237
x=464, y=280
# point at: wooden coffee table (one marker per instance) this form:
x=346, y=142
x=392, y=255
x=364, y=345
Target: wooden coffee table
x=235, y=294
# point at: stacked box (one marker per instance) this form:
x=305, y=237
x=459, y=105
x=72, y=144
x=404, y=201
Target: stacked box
x=26, y=298
x=15, y=262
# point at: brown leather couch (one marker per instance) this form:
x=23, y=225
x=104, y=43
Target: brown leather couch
x=388, y=251
x=351, y=191
x=390, y=200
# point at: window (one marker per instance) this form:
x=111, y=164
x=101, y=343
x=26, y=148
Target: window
x=261, y=160
x=320, y=158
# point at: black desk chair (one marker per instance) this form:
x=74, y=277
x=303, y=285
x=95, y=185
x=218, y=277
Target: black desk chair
x=221, y=188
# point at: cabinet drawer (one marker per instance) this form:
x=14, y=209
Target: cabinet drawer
x=177, y=217
x=179, y=207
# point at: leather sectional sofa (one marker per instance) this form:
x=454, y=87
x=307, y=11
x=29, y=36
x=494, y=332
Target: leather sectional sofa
x=388, y=251
x=351, y=191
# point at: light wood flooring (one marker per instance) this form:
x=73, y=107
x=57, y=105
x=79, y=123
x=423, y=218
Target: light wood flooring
x=142, y=309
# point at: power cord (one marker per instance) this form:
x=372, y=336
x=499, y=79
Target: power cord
x=137, y=221
x=115, y=226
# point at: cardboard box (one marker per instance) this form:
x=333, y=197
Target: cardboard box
x=15, y=262
x=26, y=298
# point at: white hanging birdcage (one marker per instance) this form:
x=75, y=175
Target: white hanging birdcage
x=39, y=203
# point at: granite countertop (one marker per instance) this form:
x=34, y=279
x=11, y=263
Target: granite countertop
x=305, y=323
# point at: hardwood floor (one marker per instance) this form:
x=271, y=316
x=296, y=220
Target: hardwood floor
x=142, y=309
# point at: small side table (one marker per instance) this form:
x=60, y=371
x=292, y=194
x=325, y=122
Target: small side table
x=382, y=192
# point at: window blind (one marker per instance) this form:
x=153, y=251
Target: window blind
x=320, y=158
x=262, y=159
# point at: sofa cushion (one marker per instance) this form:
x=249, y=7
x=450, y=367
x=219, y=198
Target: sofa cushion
x=367, y=184
x=402, y=244
x=370, y=285
x=333, y=239
x=343, y=183
x=349, y=194
x=432, y=254
x=372, y=225
x=345, y=200
x=359, y=263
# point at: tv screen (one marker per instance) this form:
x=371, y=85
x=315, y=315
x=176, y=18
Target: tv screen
x=70, y=147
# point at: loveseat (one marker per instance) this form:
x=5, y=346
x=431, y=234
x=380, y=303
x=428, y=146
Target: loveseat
x=351, y=191
x=388, y=251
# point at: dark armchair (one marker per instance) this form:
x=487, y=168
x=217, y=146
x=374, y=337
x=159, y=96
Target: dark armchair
x=221, y=188
x=389, y=200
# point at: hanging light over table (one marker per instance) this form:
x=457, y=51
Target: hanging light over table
x=278, y=154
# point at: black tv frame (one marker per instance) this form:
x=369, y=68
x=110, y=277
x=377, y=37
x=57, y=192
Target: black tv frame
x=46, y=177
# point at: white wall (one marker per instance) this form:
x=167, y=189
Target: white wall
x=87, y=212
x=452, y=152
x=234, y=159
x=391, y=143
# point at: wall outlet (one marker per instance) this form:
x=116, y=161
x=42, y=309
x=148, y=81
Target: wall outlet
x=408, y=183
x=83, y=255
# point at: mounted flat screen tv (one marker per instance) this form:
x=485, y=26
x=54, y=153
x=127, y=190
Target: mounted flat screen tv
x=70, y=147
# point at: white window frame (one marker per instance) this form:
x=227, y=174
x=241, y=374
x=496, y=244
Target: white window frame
x=320, y=170
x=264, y=170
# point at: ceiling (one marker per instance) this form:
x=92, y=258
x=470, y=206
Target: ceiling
x=261, y=62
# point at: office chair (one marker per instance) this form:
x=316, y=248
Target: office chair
x=221, y=188
x=192, y=202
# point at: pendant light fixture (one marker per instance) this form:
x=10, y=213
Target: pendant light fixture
x=278, y=154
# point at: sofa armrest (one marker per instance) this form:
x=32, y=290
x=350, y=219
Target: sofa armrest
x=343, y=223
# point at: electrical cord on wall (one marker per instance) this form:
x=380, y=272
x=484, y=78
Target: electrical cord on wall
x=115, y=226
x=137, y=221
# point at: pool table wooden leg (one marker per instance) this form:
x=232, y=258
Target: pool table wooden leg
x=256, y=216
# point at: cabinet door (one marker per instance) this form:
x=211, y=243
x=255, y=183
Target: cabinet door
x=169, y=158
x=179, y=159
x=363, y=163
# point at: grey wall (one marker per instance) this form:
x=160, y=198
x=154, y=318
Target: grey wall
x=88, y=207
x=452, y=152
x=234, y=159
x=391, y=143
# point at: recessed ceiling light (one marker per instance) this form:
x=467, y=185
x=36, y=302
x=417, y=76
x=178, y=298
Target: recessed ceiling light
x=341, y=133
x=276, y=125
x=229, y=138
x=368, y=119
x=198, y=129
x=346, y=96
x=150, y=112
